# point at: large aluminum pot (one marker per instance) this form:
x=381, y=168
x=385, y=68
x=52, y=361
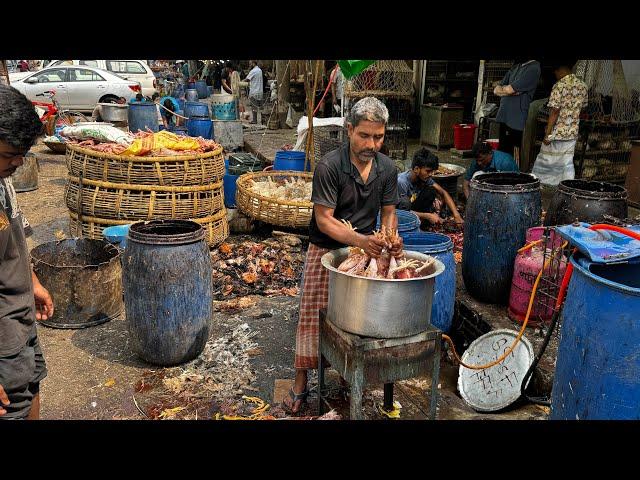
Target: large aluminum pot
x=113, y=112
x=380, y=308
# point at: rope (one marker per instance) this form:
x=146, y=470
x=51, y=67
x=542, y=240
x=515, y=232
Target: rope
x=524, y=324
x=331, y=78
x=169, y=110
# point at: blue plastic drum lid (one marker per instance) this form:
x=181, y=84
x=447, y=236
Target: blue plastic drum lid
x=597, y=374
x=441, y=247
x=290, y=160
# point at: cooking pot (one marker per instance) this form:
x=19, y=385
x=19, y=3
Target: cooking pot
x=379, y=307
x=113, y=112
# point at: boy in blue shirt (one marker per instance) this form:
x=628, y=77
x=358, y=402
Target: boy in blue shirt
x=487, y=160
x=419, y=193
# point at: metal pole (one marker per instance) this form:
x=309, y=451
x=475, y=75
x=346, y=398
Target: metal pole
x=283, y=74
x=388, y=397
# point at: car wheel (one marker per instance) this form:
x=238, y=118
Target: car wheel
x=109, y=99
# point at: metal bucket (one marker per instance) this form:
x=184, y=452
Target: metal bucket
x=25, y=178
x=376, y=307
x=114, y=112
x=84, y=279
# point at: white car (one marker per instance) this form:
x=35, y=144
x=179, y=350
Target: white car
x=134, y=70
x=77, y=88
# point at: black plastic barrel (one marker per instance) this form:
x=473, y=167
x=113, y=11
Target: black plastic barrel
x=142, y=116
x=84, y=279
x=167, y=290
x=500, y=209
x=586, y=201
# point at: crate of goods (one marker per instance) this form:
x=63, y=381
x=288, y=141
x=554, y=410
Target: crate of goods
x=437, y=124
x=277, y=197
x=177, y=170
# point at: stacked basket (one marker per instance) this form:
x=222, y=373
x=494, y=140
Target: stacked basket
x=105, y=189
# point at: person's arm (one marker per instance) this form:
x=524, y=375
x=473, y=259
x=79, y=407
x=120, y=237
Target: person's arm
x=504, y=91
x=44, y=302
x=433, y=218
x=334, y=228
x=449, y=202
x=465, y=187
x=554, y=104
x=553, y=118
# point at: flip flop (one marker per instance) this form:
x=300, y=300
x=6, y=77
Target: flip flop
x=302, y=396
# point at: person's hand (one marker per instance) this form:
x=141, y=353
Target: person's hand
x=434, y=218
x=371, y=245
x=397, y=247
x=547, y=140
x=4, y=400
x=44, y=302
x=458, y=219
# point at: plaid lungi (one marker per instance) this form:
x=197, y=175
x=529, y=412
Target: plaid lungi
x=314, y=296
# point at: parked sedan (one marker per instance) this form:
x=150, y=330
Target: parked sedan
x=77, y=88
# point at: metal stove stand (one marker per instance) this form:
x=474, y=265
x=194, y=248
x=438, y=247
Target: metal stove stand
x=363, y=361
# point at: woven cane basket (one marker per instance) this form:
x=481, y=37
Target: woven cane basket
x=270, y=210
x=179, y=170
x=142, y=202
x=216, y=227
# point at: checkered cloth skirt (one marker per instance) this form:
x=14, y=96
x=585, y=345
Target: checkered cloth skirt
x=314, y=296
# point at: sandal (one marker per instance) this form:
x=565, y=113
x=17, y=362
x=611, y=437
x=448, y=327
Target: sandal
x=302, y=396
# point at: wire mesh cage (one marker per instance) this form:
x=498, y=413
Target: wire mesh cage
x=385, y=78
x=494, y=71
x=327, y=138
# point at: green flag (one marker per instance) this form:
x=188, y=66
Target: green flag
x=351, y=68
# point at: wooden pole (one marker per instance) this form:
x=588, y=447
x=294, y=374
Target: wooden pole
x=283, y=75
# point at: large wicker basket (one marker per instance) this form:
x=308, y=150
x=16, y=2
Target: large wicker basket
x=285, y=213
x=216, y=227
x=179, y=170
x=142, y=202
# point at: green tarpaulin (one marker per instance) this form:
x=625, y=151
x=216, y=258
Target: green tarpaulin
x=351, y=68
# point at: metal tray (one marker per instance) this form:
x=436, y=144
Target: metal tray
x=496, y=387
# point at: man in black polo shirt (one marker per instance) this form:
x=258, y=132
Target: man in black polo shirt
x=354, y=183
x=22, y=298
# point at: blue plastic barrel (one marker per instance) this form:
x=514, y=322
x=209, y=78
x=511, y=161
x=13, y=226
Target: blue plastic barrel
x=201, y=88
x=444, y=294
x=179, y=130
x=408, y=222
x=229, y=187
x=142, y=116
x=178, y=91
x=290, y=160
x=210, y=90
x=200, y=127
x=597, y=373
x=191, y=95
x=196, y=109
x=168, y=294
x=224, y=111
x=191, y=85
x=181, y=103
x=500, y=210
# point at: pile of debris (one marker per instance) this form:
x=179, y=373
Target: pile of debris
x=455, y=232
x=220, y=374
x=245, y=267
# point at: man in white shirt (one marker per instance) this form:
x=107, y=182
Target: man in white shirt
x=255, y=89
